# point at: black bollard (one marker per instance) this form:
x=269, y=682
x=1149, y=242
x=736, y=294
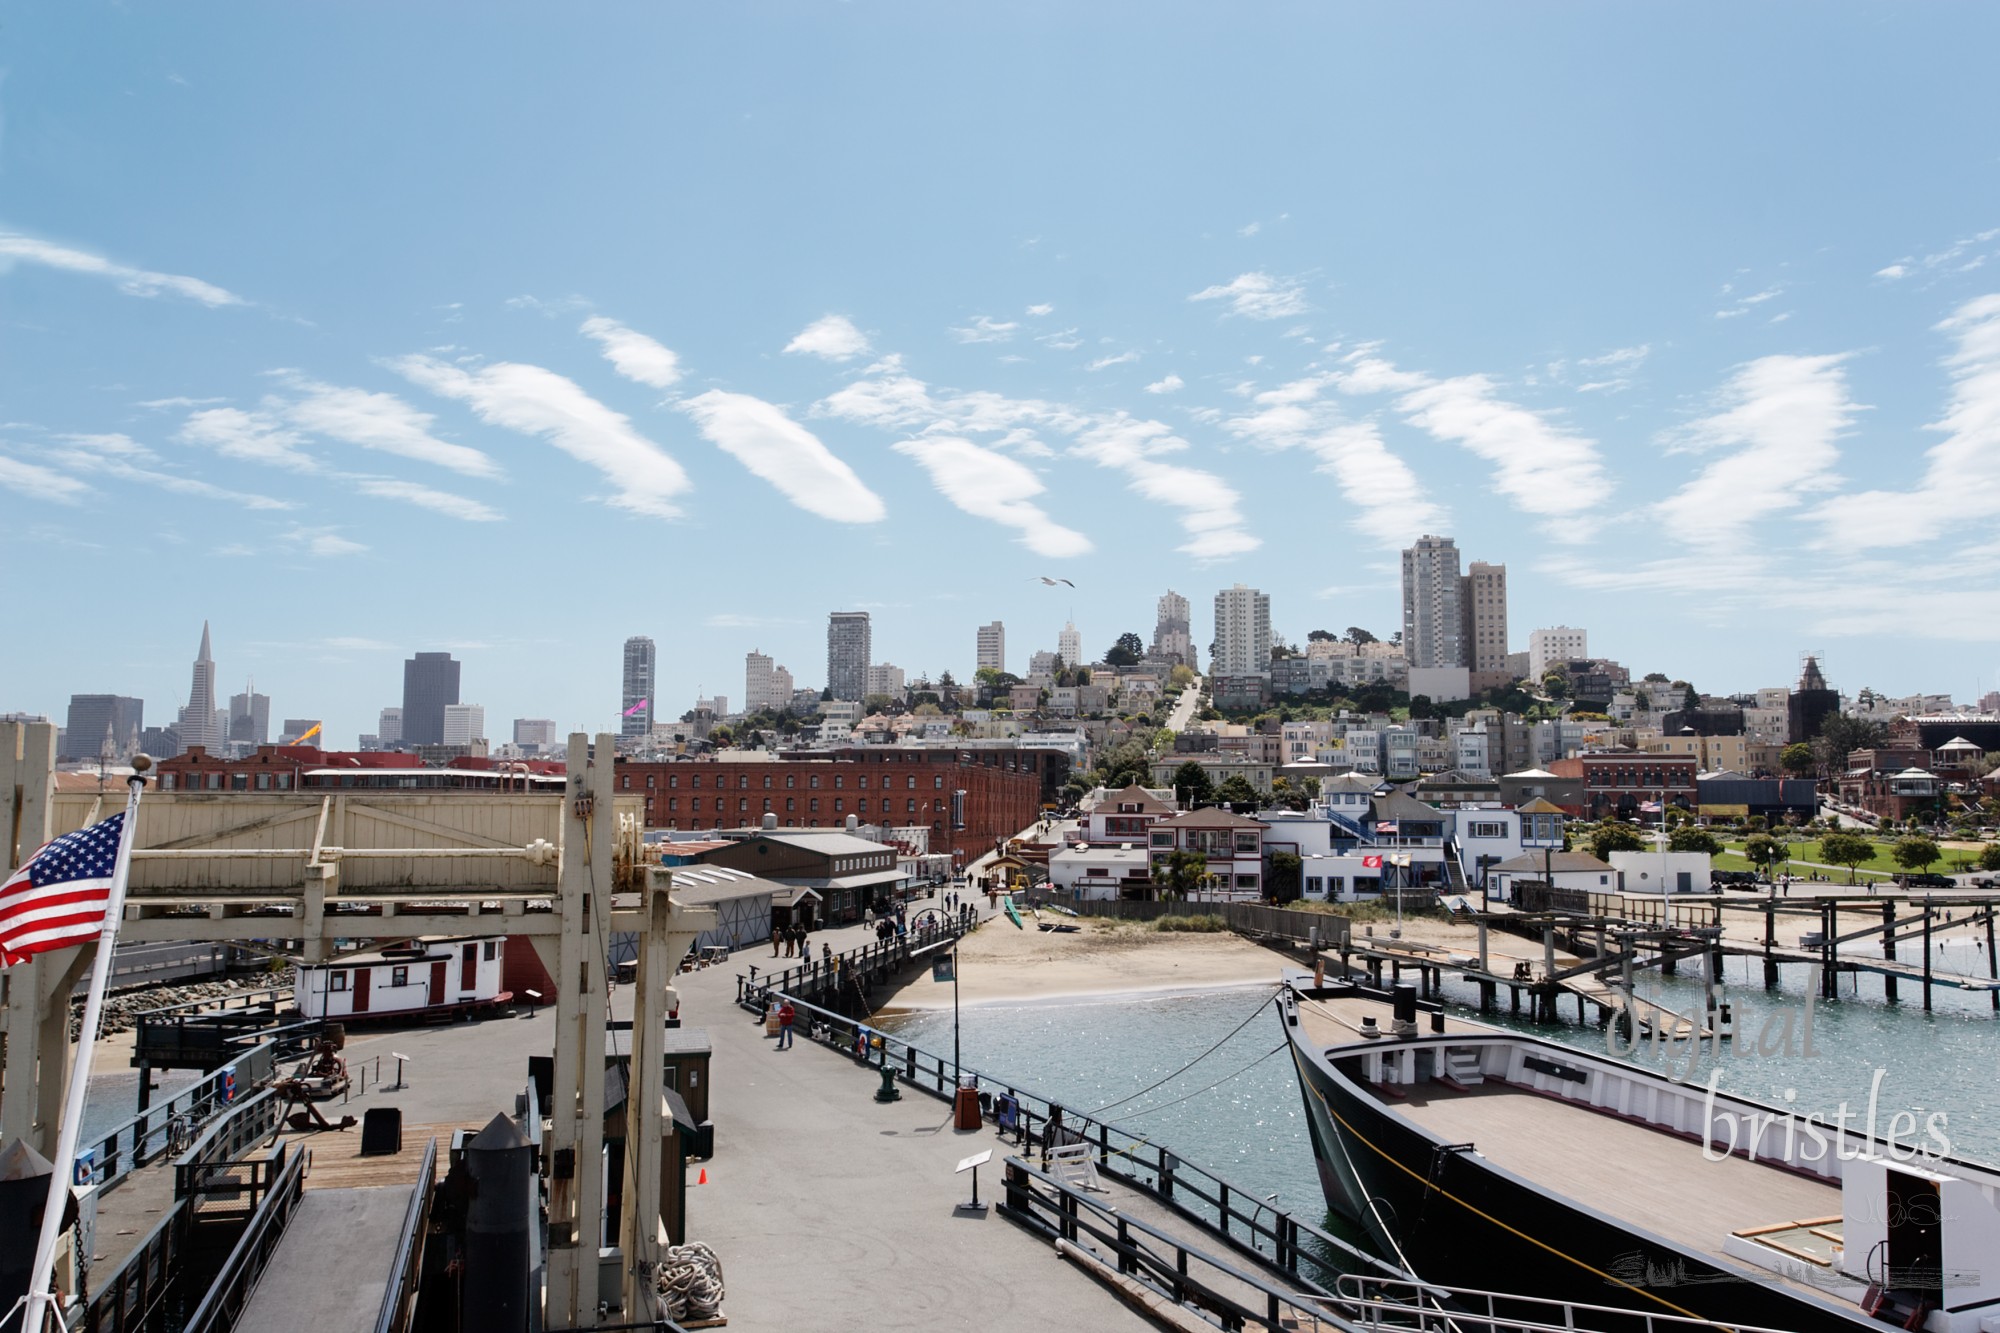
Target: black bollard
x=495, y=1290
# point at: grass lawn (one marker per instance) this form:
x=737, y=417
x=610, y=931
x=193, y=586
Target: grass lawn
x=1882, y=864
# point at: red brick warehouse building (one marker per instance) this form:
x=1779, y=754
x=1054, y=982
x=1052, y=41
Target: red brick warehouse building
x=1631, y=783
x=970, y=799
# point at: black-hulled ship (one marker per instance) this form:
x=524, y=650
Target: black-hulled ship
x=1478, y=1158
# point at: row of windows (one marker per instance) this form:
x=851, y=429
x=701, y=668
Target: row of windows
x=791, y=781
x=226, y=781
x=791, y=804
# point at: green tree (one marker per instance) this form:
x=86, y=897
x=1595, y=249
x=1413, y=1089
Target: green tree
x=877, y=703
x=721, y=738
x=1180, y=873
x=1124, y=764
x=1192, y=786
x=1841, y=735
x=1846, y=849
x=1797, y=759
x=1765, y=852
x=1555, y=685
x=1321, y=636
x=1360, y=637
x=1694, y=838
x=1914, y=852
x=1989, y=857
x=1181, y=676
x=1421, y=707
x=1610, y=836
x=1284, y=878
x=1236, y=790
x=1130, y=650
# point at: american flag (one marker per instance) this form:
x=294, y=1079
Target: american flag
x=1387, y=825
x=58, y=899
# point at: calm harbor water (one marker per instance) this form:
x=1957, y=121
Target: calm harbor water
x=1238, y=1111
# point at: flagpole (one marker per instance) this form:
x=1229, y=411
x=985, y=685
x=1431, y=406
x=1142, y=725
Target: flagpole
x=42, y=1301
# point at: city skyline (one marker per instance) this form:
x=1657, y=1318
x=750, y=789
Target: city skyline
x=1716, y=436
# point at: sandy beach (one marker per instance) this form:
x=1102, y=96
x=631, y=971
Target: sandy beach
x=1000, y=963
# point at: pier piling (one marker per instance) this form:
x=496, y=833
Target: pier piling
x=1889, y=949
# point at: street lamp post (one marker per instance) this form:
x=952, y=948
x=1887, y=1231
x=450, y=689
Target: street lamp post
x=1400, y=860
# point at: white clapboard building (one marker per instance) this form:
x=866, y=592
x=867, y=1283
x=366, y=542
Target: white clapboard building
x=432, y=975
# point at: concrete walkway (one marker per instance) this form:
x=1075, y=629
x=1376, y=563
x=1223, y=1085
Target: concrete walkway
x=830, y=1210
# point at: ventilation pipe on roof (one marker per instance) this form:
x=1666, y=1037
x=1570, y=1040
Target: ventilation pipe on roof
x=853, y=823
x=770, y=820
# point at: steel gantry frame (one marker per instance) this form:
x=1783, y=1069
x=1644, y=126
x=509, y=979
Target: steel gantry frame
x=564, y=872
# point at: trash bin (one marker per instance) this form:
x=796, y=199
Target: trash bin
x=965, y=1107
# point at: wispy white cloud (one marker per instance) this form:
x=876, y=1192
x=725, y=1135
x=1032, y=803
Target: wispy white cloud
x=831, y=338
x=1062, y=340
x=1614, y=371
x=985, y=329
x=1541, y=467
x=1209, y=511
x=131, y=281
x=1951, y=259
x=992, y=486
x=1961, y=483
x=254, y=437
x=1779, y=419
x=1743, y=305
x=1249, y=229
x=324, y=542
x=124, y=458
x=424, y=497
x=40, y=483
x=761, y=437
x=379, y=421
x=1258, y=296
x=1171, y=383
x=1120, y=359
x=535, y=401
x=165, y=404
x=1388, y=501
x=1893, y=271
x=1043, y=309
x=633, y=354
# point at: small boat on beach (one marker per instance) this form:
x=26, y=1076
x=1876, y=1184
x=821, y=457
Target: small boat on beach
x=1485, y=1159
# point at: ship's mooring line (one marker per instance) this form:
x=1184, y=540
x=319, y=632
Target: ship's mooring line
x=1133, y=1115
x=1189, y=1065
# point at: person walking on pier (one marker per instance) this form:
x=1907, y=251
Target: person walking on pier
x=786, y=1017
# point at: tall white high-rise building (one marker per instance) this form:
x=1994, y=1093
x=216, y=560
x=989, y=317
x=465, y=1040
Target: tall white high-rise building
x=1069, y=645
x=637, y=706
x=887, y=678
x=767, y=687
x=1172, y=641
x=464, y=724
x=1242, y=632
x=1433, y=616
x=1482, y=598
x=848, y=649
x=992, y=646
x=197, y=723
x=1557, y=643
x=389, y=730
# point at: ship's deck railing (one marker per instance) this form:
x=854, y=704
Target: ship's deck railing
x=399, y=1295
x=1178, y=1271
x=1279, y=1241
x=230, y=1291
x=1398, y=1304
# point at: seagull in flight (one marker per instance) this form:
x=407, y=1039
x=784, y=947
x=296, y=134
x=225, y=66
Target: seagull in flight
x=1049, y=582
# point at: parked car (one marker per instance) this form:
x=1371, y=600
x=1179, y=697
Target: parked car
x=1929, y=880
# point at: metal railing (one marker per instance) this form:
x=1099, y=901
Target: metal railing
x=1180, y=1272
x=406, y=1268
x=223, y=1303
x=1253, y=1226
x=226, y=1141
x=130, y=1293
x=814, y=976
x=158, y=1130
x=1399, y=1304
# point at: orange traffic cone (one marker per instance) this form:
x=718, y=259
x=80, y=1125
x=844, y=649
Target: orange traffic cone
x=704, y=1177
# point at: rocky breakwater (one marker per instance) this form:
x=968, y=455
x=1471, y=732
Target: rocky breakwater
x=122, y=1008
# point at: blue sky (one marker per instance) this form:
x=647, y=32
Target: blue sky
x=360, y=330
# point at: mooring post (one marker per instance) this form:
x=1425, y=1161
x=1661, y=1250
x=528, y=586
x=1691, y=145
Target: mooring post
x=1927, y=955
x=1889, y=949
x=1992, y=959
